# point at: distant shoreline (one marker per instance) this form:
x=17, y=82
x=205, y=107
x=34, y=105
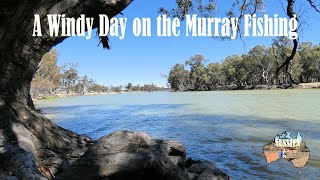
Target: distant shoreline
x=234, y=87
x=268, y=87
x=63, y=95
x=315, y=85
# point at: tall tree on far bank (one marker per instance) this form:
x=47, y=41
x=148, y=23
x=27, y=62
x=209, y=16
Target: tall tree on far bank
x=310, y=61
x=48, y=77
x=178, y=78
x=129, y=87
x=84, y=84
x=70, y=77
x=198, y=76
x=215, y=76
x=261, y=55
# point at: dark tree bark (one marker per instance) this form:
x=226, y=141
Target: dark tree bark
x=286, y=63
x=28, y=140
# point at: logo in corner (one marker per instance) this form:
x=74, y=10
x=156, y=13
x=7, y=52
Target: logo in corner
x=284, y=146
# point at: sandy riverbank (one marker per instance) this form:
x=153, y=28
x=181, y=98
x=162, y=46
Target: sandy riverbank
x=309, y=85
x=42, y=98
x=267, y=87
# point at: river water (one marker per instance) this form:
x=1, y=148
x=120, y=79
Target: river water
x=226, y=127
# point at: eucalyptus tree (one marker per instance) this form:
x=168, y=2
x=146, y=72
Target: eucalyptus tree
x=282, y=48
x=70, y=76
x=310, y=62
x=129, y=87
x=261, y=55
x=48, y=76
x=198, y=75
x=178, y=78
x=215, y=75
x=235, y=70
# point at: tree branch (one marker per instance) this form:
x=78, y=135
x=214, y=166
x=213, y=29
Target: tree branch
x=291, y=14
x=313, y=5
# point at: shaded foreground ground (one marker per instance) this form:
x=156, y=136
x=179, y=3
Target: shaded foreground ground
x=135, y=155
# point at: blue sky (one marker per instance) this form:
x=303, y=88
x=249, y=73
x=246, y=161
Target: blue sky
x=142, y=60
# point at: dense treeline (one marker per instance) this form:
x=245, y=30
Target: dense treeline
x=257, y=67
x=145, y=87
x=51, y=79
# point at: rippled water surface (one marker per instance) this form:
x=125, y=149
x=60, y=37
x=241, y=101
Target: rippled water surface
x=226, y=127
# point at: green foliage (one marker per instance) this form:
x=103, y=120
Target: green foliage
x=310, y=62
x=99, y=88
x=47, y=78
x=117, y=89
x=206, y=8
x=146, y=87
x=129, y=87
x=201, y=7
x=258, y=67
x=150, y=88
x=69, y=77
x=179, y=78
x=51, y=78
x=215, y=75
x=198, y=75
x=48, y=98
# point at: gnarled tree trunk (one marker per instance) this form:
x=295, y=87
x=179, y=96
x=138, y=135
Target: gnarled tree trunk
x=28, y=140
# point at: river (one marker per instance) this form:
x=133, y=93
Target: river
x=226, y=127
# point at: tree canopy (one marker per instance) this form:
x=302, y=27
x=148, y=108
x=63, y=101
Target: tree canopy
x=206, y=8
x=257, y=67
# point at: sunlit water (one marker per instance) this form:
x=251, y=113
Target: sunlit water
x=226, y=127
